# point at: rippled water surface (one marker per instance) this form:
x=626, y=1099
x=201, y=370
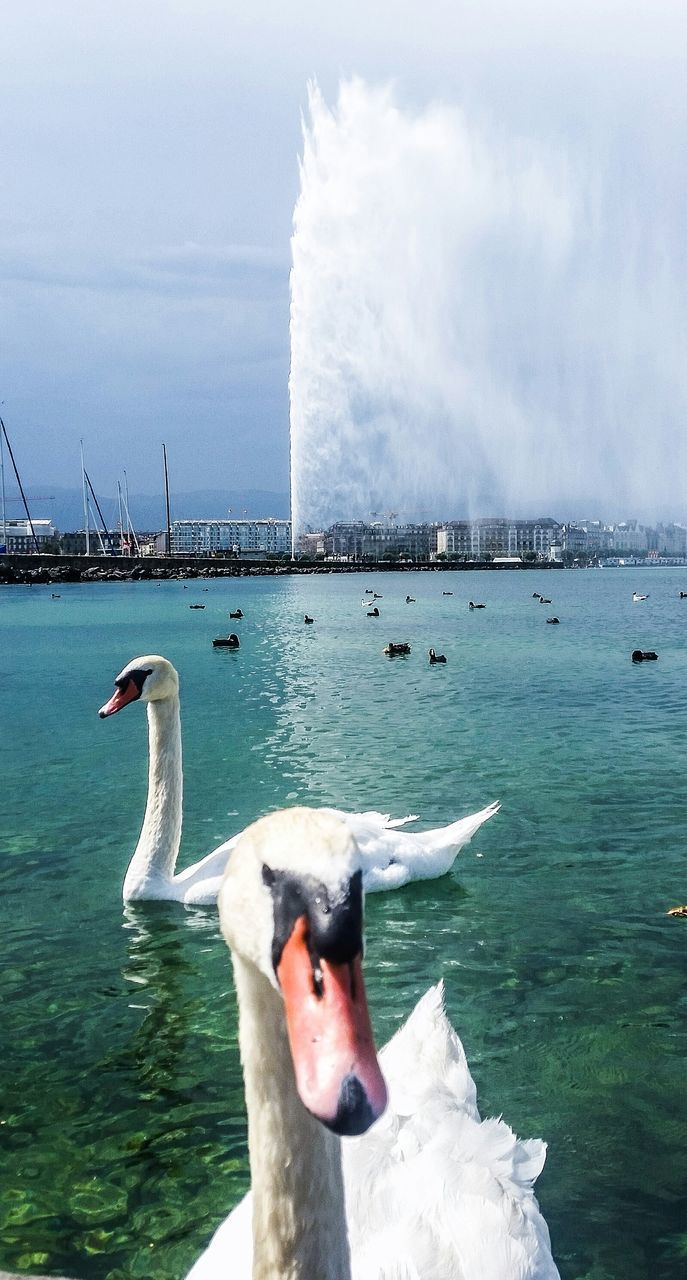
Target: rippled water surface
x=122, y=1134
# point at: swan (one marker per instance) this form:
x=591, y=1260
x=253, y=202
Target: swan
x=427, y=1190
x=390, y=857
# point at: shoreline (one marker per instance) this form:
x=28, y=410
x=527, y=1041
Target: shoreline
x=23, y=570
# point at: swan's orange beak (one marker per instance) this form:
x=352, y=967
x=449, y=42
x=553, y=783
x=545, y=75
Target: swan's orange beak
x=128, y=693
x=332, y=1047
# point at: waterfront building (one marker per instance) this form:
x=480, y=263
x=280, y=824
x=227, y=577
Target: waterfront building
x=498, y=536
x=74, y=544
x=628, y=536
x=240, y=537
x=671, y=540
x=20, y=538
x=359, y=540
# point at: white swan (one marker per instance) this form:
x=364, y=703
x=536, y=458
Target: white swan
x=390, y=858
x=431, y=1191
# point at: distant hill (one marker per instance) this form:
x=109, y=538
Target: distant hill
x=148, y=510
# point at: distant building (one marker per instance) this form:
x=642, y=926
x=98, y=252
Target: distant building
x=100, y=542
x=629, y=536
x=497, y=536
x=242, y=537
x=671, y=540
x=587, y=537
x=20, y=538
x=359, y=540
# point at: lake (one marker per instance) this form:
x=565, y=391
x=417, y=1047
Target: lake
x=122, y=1134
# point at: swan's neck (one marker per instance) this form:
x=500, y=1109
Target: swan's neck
x=299, y=1219
x=155, y=855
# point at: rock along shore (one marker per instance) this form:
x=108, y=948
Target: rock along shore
x=28, y=569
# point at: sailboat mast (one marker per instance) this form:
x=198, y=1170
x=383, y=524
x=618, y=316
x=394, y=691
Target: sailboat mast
x=168, y=539
x=129, y=525
x=102, y=518
x=21, y=487
x=121, y=530
x=3, y=540
x=85, y=503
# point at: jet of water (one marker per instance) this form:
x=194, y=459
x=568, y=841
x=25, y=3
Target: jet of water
x=470, y=330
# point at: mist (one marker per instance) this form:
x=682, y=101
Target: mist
x=480, y=323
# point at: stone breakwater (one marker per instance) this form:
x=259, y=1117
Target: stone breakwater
x=27, y=570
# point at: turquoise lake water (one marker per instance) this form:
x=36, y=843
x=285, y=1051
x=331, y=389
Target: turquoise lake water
x=122, y=1133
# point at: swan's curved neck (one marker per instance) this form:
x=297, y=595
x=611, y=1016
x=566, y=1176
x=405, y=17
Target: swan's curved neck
x=155, y=855
x=299, y=1219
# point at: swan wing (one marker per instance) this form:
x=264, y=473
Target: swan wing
x=199, y=885
x=231, y=1245
x=432, y=1191
x=371, y=823
x=392, y=858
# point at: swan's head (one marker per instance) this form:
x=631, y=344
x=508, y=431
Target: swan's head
x=149, y=678
x=291, y=905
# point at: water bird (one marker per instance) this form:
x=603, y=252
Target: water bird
x=55, y=595
x=432, y=1189
x=536, y=595
x=238, y=613
x=396, y=649
x=390, y=858
x=375, y=596
x=544, y=600
x=411, y=600
x=683, y=595
x=227, y=642
x=472, y=605
x=196, y=606
x=644, y=655
x=435, y=657
x=553, y=620
x=308, y=619
x=677, y=911
x=373, y=613
x=636, y=597
x=369, y=591
x=447, y=593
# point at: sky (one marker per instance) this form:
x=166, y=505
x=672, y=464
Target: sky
x=150, y=177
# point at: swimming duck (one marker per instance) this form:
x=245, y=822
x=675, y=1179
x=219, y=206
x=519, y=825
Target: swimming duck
x=435, y=657
x=196, y=606
x=238, y=613
x=308, y=619
x=431, y=1189
x=447, y=593
x=553, y=620
x=397, y=649
x=636, y=597
x=411, y=600
x=644, y=655
x=390, y=858
x=373, y=613
x=472, y=605
x=227, y=642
